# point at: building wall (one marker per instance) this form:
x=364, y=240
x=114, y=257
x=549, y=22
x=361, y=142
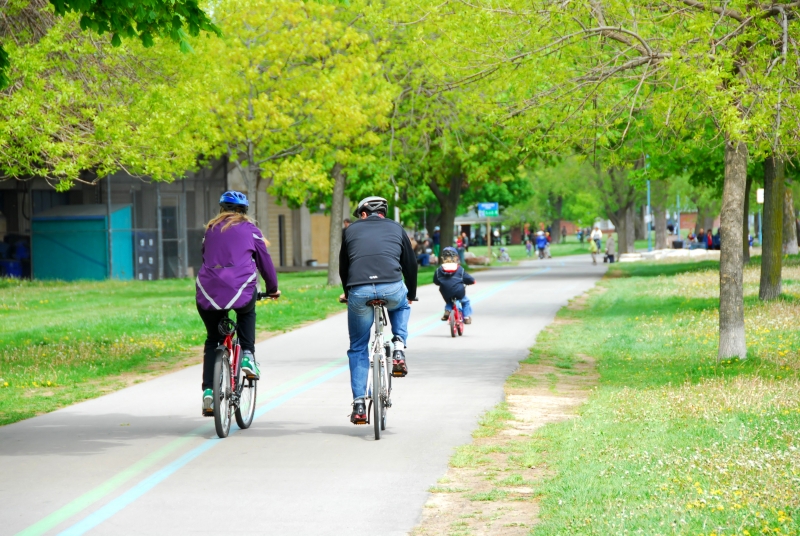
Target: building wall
x=280, y=241
x=320, y=237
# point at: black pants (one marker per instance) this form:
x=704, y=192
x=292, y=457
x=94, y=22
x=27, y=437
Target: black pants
x=246, y=322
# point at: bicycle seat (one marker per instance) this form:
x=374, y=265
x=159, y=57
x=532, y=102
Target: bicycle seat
x=373, y=303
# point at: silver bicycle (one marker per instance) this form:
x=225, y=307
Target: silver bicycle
x=379, y=382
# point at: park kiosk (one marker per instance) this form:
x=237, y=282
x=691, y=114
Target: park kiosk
x=72, y=242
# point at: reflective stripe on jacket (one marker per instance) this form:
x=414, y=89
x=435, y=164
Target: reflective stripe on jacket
x=232, y=260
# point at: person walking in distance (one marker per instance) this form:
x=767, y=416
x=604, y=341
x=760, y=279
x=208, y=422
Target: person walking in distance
x=593, y=250
x=435, y=239
x=597, y=236
x=375, y=258
x=611, y=248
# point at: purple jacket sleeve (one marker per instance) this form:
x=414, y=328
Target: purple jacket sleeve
x=264, y=261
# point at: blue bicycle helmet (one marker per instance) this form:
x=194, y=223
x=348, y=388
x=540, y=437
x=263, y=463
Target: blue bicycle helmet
x=234, y=201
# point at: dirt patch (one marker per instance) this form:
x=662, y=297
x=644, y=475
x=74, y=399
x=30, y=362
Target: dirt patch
x=580, y=303
x=496, y=494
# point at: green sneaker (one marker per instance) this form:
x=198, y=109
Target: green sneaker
x=208, y=402
x=249, y=366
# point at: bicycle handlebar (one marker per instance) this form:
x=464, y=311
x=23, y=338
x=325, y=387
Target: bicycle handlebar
x=264, y=296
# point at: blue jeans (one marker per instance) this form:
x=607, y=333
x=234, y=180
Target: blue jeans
x=360, y=317
x=466, y=307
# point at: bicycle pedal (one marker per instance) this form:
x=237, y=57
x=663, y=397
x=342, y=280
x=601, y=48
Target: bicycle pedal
x=398, y=373
x=209, y=413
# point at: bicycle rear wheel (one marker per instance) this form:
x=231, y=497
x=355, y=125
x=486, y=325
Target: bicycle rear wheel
x=222, y=395
x=247, y=402
x=377, y=393
x=387, y=364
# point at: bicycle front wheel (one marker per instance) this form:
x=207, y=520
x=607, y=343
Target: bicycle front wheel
x=377, y=395
x=452, y=323
x=247, y=402
x=222, y=395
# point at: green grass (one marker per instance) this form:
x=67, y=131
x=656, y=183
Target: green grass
x=61, y=343
x=518, y=252
x=671, y=441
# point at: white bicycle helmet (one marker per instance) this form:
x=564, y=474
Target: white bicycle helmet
x=371, y=204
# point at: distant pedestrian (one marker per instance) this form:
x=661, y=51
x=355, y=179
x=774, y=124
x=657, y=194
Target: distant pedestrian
x=460, y=249
x=529, y=247
x=701, y=238
x=597, y=236
x=563, y=235
x=346, y=223
x=611, y=248
x=435, y=240
x=593, y=250
x=465, y=240
x=541, y=244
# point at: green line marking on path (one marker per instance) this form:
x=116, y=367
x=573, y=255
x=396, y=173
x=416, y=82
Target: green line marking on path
x=94, y=495
x=99, y=492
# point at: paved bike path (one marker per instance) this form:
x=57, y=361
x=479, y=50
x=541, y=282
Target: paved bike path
x=141, y=460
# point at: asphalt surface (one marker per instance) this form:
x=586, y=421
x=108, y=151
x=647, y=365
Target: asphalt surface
x=143, y=461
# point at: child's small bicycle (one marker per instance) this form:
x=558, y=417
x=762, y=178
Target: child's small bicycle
x=456, y=319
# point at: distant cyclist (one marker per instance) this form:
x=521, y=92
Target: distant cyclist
x=376, y=256
x=234, y=253
x=452, y=280
x=541, y=244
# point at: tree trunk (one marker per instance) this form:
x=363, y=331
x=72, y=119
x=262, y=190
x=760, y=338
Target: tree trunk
x=558, y=205
x=772, y=232
x=448, y=202
x=732, y=342
x=630, y=231
x=623, y=224
x=746, y=222
x=658, y=196
x=757, y=225
x=337, y=217
x=639, y=227
x=660, y=214
x=789, y=232
x=619, y=220
x=707, y=217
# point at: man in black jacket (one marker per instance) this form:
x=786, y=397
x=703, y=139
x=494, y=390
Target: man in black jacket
x=376, y=256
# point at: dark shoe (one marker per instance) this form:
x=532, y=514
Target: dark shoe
x=446, y=316
x=399, y=368
x=468, y=320
x=359, y=415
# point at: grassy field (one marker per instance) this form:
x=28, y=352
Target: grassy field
x=669, y=441
x=61, y=343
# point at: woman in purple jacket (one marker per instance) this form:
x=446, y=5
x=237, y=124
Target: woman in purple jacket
x=234, y=253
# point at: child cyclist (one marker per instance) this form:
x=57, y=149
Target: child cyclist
x=234, y=253
x=451, y=280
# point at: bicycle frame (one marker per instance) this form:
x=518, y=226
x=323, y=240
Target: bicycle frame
x=458, y=310
x=379, y=348
x=234, y=351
